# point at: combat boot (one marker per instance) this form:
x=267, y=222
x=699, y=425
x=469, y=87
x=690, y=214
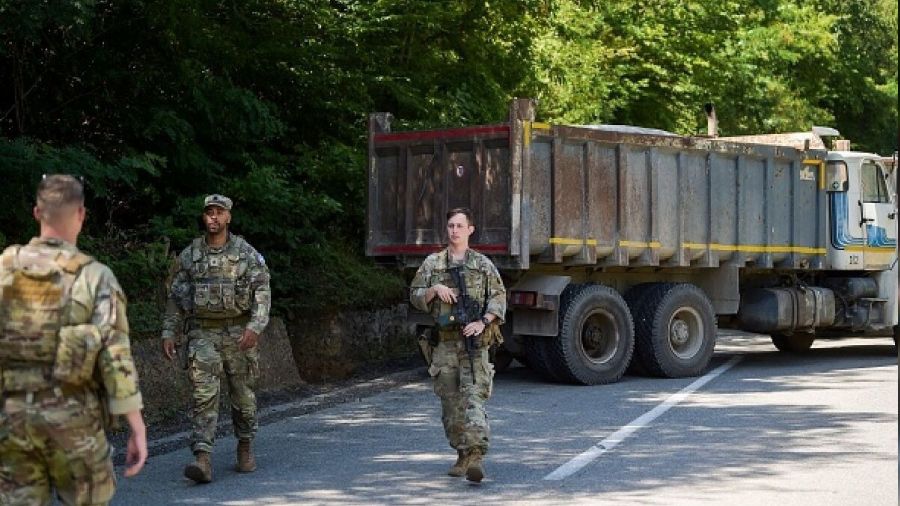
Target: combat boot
x=246, y=462
x=459, y=468
x=475, y=466
x=200, y=470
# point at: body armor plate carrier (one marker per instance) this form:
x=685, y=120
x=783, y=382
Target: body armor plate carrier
x=35, y=292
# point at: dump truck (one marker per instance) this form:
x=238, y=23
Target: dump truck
x=627, y=248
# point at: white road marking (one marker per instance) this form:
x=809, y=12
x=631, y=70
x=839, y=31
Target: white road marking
x=577, y=463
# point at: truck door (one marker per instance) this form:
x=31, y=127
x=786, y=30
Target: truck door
x=846, y=228
x=878, y=216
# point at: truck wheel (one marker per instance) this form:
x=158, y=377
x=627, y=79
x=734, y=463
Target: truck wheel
x=795, y=343
x=634, y=296
x=675, y=330
x=896, y=337
x=596, y=336
x=538, y=359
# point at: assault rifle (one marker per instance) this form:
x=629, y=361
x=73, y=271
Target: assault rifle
x=466, y=311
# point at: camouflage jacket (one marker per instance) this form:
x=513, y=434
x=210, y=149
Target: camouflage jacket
x=483, y=283
x=216, y=283
x=95, y=299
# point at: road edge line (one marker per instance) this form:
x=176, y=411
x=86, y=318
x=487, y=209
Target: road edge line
x=580, y=461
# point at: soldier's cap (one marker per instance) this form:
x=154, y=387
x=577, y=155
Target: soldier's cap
x=217, y=200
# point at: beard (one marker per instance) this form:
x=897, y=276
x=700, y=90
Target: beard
x=216, y=228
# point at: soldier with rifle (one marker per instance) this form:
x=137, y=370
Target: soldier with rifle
x=462, y=289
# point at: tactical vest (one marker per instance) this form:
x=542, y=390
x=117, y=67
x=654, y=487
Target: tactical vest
x=220, y=290
x=475, y=287
x=34, y=293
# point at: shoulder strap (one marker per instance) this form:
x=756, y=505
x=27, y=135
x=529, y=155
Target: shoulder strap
x=74, y=263
x=197, y=249
x=72, y=266
x=481, y=259
x=443, y=259
x=486, y=293
x=236, y=243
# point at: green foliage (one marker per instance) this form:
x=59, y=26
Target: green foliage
x=861, y=88
x=335, y=279
x=159, y=103
x=138, y=266
x=655, y=64
x=578, y=74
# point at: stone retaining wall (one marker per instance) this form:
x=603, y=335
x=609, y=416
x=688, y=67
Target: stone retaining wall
x=165, y=387
x=337, y=347
x=313, y=351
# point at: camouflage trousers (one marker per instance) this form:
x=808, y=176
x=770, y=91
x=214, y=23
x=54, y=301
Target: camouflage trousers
x=212, y=353
x=462, y=402
x=49, y=440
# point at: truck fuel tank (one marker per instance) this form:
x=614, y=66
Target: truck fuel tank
x=769, y=310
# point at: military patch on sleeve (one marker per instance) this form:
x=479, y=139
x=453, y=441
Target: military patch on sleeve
x=260, y=259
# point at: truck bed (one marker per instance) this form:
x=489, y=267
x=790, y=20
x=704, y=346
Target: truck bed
x=569, y=195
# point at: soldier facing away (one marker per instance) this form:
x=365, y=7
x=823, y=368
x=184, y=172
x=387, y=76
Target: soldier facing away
x=463, y=383
x=220, y=296
x=65, y=362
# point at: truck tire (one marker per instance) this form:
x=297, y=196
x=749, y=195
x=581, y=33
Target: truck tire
x=634, y=296
x=795, y=343
x=896, y=337
x=537, y=357
x=675, y=330
x=596, y=336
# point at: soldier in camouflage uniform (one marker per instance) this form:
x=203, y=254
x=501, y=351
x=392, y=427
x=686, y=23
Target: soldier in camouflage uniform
x=65, y=362
x=220, y=296
x=433, y=290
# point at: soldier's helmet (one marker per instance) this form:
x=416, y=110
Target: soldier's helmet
x=217, y=200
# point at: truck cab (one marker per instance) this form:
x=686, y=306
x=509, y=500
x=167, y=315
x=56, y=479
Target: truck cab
x=862, y=212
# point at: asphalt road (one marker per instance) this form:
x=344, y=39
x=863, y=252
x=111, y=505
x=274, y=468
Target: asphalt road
x=762, y=428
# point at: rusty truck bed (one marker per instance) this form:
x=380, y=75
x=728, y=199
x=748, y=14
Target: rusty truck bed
x=581, y=196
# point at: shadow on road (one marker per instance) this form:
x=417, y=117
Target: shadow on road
x=736, y=426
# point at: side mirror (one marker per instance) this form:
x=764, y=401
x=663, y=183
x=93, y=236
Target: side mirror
x=836, y=178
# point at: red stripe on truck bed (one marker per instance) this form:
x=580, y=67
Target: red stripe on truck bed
x=424, y=249
x=442, y=134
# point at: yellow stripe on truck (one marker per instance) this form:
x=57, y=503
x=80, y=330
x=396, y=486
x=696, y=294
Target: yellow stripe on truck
x=639, y=244
x=747, y=248
x=566, y=241
x=754, y=248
